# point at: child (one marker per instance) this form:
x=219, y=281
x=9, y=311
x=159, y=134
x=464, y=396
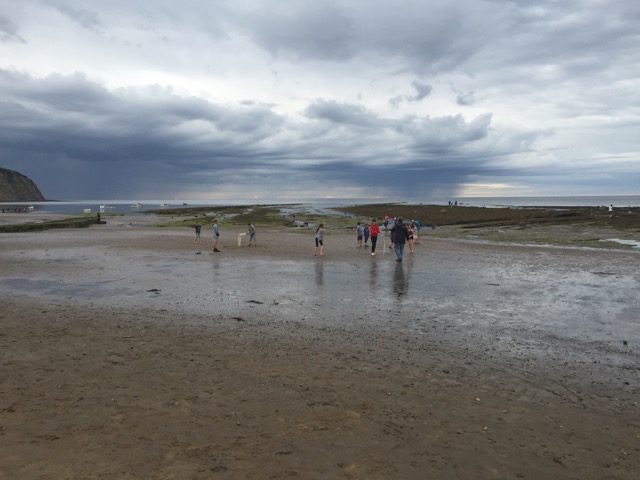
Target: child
x=198, y=228
x=319, y=239
x=216, y=235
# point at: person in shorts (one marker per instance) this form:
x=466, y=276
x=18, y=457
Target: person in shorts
x=319, y=239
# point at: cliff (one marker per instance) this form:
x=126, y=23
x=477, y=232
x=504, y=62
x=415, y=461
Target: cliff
x=15, y=187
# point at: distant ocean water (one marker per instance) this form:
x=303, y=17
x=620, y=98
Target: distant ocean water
x=120, y=206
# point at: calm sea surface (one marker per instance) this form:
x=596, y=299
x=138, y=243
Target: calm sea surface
x=120, y=206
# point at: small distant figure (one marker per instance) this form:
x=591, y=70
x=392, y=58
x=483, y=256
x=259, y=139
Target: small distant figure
x=411, y=238
x=198, y=228
x=416, y=231
x=375, y=231
x=386, y=221
x=251, y=231
x=392, y=235
x=359, y=234
x=367, y=233
x=611, y=210
x=319, y=240
x=216, y=235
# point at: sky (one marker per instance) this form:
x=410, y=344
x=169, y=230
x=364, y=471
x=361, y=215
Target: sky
x=290, y=100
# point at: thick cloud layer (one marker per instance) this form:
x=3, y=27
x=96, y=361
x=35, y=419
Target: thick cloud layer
x=292, y=100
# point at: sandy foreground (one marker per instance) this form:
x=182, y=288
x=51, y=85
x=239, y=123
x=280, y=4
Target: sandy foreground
x=131, y=352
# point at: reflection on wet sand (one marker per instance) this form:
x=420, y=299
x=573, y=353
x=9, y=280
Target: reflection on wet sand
x=319, y=274
x=373, y=276
x=400, y=283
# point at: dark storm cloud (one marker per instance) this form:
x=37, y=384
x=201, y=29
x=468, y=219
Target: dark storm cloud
x=129, y=141
x=60, y=121
x=436, y=136
x=340, y=113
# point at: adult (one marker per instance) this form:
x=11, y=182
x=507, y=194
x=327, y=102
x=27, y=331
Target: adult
x=400, y=236
x=216, y=235
x=319, y=239
x=374, y=230
x=251, y=231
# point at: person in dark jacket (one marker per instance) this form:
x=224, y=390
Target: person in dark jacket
x=400, y=235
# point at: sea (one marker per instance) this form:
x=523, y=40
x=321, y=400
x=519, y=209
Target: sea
x=129, y=206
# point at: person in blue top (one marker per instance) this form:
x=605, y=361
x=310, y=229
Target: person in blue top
x=359, y=234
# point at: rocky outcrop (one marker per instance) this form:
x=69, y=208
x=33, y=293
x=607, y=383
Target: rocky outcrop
x=15, y=187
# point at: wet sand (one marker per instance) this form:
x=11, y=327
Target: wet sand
x=131, y=352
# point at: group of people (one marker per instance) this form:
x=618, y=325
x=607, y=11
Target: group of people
x=251, y=231
x=366, y=232
x=401, y=234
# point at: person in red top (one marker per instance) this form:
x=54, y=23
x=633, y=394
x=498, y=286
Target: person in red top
x=374, y=230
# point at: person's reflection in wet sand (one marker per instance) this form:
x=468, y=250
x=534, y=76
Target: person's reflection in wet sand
x=400, y=283
x=216, y=272
x=373, y=276
x=319, y=274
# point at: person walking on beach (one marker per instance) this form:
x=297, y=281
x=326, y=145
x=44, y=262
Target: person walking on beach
x=216, y=235
x=198, y=228
x=375, y=231
x=392, y=234
x=367, y=234
x=400, y=236
x=319, y=239
x=251, y=231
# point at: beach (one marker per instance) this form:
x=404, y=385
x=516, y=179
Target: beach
x=129, y=351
